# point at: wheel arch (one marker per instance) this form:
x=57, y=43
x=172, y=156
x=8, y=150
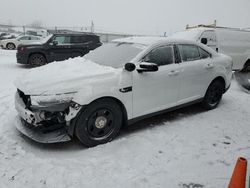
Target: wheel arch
x=41, y=53
x=124, y=110
x=221, y=79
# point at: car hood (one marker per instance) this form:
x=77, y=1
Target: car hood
x=8, y=40
x=31, y=44
x=63, y=77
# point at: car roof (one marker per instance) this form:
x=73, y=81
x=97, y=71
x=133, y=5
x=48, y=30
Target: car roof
x=155, y=41
x=75, y=34
x=145, y=40
x=148, y=41
x=28, y=36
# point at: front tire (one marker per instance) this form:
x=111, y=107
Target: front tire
x=213, y=95
x=37, y=60
x=99, y=123
x=11, y=46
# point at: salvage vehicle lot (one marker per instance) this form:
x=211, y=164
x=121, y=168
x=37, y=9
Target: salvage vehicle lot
x=172, y=150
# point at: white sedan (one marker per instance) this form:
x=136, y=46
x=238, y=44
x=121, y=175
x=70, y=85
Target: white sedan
x=119, y=83
x=13, y=43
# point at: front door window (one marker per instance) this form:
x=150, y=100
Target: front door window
x=161, y=56
x=62, y=39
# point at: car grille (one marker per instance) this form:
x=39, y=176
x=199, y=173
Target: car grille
x=25, y=98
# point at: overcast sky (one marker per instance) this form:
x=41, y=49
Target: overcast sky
x=127, y=16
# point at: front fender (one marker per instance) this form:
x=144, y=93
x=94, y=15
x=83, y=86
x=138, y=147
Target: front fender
x=90, y=93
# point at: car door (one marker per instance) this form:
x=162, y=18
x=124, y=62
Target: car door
x=197, y=72
x=79, y=45
x=29, y=39
x=59, y=48
x=155, y=91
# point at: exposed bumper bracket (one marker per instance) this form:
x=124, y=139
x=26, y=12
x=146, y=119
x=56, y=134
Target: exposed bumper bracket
x=59, y=135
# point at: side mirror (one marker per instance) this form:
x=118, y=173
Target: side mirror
x=147, y=67
x=129, y=67
x=204, y=41
x=53, y=43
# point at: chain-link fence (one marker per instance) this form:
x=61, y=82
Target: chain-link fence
x=105, y=36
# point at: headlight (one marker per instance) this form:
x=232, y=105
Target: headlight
x=45, y=101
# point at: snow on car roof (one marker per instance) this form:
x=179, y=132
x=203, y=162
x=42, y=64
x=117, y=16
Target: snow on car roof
x=146, y=41
x=140, y=40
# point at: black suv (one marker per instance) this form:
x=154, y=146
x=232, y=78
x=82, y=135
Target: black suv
x=57, y=47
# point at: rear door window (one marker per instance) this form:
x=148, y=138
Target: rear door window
x=189, y=52
x=79, y=39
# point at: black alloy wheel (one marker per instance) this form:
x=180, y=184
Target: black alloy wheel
x=213, y=95
x=11, y=46
x=37, y=60
x=99, y=123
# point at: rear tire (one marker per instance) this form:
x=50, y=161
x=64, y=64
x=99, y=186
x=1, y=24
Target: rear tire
x=11, y=46
x=213, y=95
x=99, y=123
x=37, y=60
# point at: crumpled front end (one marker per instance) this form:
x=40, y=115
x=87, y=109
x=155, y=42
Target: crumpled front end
x=46, y=119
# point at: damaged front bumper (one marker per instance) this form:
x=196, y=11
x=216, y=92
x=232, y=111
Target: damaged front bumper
x=38, y=135
x=54, y=123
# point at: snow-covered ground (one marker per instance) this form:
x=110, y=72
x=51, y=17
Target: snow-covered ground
x=188, y=148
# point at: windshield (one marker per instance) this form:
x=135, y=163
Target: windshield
x=114, y=54
x=44, y=40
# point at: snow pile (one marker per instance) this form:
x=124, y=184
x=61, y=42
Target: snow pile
x=51, y=77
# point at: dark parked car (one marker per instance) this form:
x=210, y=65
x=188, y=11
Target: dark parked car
x=57, y=47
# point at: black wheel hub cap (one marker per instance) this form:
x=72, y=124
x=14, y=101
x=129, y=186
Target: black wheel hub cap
x=101, y=123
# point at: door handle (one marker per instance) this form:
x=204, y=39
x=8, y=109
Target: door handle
x=173, y=73
x=209, y=66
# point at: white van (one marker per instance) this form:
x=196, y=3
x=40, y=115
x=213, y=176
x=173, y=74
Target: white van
x=229, y=41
